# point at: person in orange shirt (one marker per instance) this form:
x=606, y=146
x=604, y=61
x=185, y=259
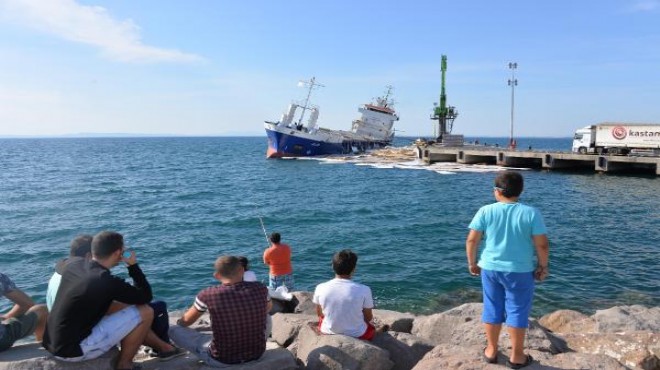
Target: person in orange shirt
x=278, y=258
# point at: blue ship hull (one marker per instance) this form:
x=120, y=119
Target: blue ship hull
x=285, y=145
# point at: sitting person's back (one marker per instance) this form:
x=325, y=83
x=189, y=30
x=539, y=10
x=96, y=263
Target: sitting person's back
x=344, y=306
x=237, y=309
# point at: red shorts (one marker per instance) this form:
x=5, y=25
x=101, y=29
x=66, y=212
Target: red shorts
x=369, y=334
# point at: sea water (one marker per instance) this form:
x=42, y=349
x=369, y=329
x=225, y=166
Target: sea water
x=181, y=202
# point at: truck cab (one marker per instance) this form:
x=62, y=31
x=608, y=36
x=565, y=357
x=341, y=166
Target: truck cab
x=583, y=140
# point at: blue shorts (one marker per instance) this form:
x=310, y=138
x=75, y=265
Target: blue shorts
x=508, y=297
x=286, y=280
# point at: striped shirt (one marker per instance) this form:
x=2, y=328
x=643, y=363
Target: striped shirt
x=238, y=320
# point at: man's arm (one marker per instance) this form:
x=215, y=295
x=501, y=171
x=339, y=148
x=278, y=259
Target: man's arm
x=471, y=248
x=542, y=247
x=22, y=302
x=266, y=255
x=139, y=293
x=368, y=314
x=189, y=317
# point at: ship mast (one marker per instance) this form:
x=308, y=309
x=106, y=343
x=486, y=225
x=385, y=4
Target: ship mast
x=312, y=84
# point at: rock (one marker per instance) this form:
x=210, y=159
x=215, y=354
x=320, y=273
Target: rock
x=438, y=327
x=627, y=318
x=305, y=304
x=634, y=349
x=33, y=356
x=397, y=321
x=462, y=326
x=287, y=325
x=449, y=356
x=572, y=360
x=567, y=321
x=405, y=349
x=338, y=352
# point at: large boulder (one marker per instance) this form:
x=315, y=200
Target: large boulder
x=449, y=356
x=573, y=360
x=304, y=303
x=405, y=349
x=33, y=356
x=568, y=321
x=339, y=352
x=634, y=349
x=627, y=319
x=287, y=325
x=397, y=321
x=462, y=326
x=437, y=328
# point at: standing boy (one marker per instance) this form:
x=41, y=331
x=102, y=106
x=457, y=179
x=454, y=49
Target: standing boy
x=278, y=258
x=514, y=238
x=344, y=306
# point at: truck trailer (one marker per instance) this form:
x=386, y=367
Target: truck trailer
x=617, y=138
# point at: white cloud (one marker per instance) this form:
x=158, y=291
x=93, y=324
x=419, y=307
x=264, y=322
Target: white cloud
x=646, y=5
x=91, y=25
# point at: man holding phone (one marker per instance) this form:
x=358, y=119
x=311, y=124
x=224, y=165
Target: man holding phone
x=95, y=310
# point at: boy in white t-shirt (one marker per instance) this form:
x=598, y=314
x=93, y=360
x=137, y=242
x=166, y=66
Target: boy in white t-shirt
x=344, y=306
x=248, y=275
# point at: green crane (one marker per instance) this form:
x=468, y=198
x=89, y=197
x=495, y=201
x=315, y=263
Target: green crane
x=444, y=114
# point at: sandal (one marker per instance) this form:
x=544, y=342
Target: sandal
x=166, y=356
x=489, y=360
x=135, y=367
x=513, y=365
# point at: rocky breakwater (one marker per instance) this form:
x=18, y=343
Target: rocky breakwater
x=625, y=337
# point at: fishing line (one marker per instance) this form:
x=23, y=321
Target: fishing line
x=261, y=220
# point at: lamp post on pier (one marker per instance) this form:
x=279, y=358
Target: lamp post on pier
x=513, y=83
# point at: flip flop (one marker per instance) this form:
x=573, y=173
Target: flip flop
x=513, y=365
x=135, y=367
x=488, y=360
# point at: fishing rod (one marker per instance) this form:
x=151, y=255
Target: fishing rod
x=261, y=221
x=264, y=229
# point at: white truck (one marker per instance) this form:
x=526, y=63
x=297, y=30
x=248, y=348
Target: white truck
x=617, y=138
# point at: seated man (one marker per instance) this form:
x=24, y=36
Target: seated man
x=237, y=310
x=81, y=246
x=23, y=319
x=94, y=310
x=344, y=306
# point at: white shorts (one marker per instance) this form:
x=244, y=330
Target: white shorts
x=108, y=333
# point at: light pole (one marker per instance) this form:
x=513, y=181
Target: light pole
x=513, y=83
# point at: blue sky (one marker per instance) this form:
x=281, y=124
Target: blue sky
x=223, y=67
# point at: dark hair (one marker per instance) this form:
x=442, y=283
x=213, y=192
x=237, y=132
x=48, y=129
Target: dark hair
x=81, y=245
x=275, y=238
x=344, y=261
x=510, y=183
x=244, y=261
x=227, y=266
x=106, y=243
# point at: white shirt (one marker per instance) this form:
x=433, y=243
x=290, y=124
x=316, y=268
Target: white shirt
x=249, y=275
x=342, y=301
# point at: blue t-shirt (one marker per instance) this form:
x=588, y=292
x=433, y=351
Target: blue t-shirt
x=507, y=236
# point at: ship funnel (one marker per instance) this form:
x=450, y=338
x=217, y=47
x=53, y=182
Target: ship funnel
x=314, y=116
x=288, y=116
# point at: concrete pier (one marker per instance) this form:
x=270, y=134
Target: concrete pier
x=538, y=159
